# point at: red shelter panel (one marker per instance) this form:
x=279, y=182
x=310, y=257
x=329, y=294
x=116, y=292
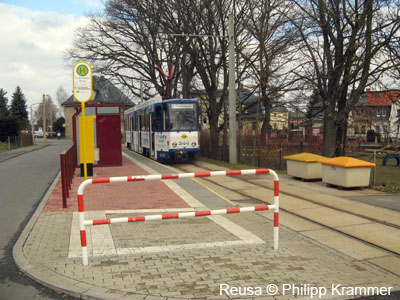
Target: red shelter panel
x=109, y=139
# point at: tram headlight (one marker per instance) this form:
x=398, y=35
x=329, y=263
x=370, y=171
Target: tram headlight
x=174, y=145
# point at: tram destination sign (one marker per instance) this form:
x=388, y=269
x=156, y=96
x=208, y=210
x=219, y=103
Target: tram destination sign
x=82, y=81
x=182, y=106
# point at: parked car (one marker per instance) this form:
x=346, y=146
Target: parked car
x=39, y=134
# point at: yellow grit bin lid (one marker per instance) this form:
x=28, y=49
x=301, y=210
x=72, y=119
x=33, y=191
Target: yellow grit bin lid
x=305, y=157
x=347, y=162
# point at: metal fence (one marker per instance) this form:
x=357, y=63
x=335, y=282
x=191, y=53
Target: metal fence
x=267, y=151
x=12, y=142
x=68, y=163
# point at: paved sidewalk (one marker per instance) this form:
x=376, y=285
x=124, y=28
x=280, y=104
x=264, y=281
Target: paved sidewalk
x=184, y=258
x=19, y=151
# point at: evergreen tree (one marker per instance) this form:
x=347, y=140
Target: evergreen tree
x=18, y=107
x=58, y=126
x=314, y=106
x=3, y=103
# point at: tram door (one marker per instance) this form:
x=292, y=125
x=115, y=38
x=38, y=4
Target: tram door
x=157, y=125
x=139, y=130
x=151, y=135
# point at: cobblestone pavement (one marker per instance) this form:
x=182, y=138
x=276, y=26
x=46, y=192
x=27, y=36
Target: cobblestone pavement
x=183, y=258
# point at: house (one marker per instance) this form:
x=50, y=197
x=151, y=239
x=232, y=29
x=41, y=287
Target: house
x=279, y=118
x=378, y=111
x=248, y=106
x=250, y=109
x=297, y=122
x=104, y=92
x=297, y=119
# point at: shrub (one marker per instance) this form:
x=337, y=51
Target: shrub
x=9, y=126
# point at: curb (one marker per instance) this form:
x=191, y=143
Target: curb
x=57, y=282
x=22, y=152
x=49, y=278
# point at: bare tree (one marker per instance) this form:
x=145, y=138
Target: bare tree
x=61, y=96
x=126, y=43
x=271, y=53
x=343, y=42
x=203, y=26
x=51, y=113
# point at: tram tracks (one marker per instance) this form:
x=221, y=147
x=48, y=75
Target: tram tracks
x=189, y=168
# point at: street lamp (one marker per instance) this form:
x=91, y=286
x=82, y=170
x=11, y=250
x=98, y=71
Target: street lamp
x=232, y=93
x=44, y=118
x=32, y=130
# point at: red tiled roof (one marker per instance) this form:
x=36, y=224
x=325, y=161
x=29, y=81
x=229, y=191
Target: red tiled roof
x=382, y=98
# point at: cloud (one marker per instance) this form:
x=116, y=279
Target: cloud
x=33, y=43
x=94, y=3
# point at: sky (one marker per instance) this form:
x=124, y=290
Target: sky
x=33, y=37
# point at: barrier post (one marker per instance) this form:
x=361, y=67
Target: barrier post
x=83, y=222
x=276, y=213
x=64, y=175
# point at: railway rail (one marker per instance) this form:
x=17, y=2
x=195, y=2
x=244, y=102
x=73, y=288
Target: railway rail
x=184, y=167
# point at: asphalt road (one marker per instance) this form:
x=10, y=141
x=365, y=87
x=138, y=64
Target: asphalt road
x=24, y=180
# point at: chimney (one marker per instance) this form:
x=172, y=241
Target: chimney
x=368, y=90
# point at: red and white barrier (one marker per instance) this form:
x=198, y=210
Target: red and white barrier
x=83, y=185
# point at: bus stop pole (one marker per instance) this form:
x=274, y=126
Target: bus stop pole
x=84, y=141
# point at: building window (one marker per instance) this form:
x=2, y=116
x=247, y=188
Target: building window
x=381, y=112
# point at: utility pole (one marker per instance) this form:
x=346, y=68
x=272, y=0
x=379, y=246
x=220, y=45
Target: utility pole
x=44, y=118
x=232, y=94
x=51, y=117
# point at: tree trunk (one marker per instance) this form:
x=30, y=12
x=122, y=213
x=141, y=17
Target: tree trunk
x=330, y=132
x=214, y=138
x=266, y=126
x=225, y=148
x=341, y=139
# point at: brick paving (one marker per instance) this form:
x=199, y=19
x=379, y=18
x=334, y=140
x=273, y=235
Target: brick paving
x=115, y=196
x=199, y=273
x=186, y=272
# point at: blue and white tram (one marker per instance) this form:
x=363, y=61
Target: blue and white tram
x=165, y=130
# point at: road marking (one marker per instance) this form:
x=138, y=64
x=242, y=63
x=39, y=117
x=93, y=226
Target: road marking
x=214, y=192
x=186, y=247
x=189, y=199
x=178, y=171
x=99, y=238
x=100, y=241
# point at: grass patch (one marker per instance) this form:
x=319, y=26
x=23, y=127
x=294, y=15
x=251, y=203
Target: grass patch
x=387, y=178
x=387, y=189
x=3, y=146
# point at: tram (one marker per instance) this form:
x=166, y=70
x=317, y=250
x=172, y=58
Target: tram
x=164, y=130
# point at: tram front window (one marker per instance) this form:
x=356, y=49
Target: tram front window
x=182, y=116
